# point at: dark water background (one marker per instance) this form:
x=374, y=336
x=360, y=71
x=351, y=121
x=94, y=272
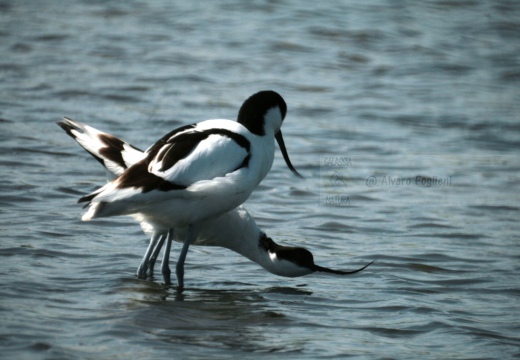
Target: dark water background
x=383, y=97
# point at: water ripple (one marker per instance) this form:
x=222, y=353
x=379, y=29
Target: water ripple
x=420, y=89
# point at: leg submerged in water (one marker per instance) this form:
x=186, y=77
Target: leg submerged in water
x=143, y=267
x=165, y=266
x=182, y=257
x=155, y=255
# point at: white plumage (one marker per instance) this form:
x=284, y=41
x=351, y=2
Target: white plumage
x=235, y=230
x=196, y=172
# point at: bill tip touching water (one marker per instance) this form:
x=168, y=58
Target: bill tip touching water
x=192, y=182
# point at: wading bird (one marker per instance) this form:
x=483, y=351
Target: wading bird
x=235, y=230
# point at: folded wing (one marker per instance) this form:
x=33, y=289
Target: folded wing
x=192, y=155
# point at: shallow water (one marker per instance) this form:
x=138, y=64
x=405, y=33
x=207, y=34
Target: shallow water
x=403, y=117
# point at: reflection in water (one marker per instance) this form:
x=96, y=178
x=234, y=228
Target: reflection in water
x=242, y=320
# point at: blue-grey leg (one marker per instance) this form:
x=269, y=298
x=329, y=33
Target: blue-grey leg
x=141, y=270
x=154, y=256
x=182, y=257
x=165, y=266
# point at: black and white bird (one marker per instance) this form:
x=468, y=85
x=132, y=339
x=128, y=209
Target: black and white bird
x=197, y=172
x=235, y=230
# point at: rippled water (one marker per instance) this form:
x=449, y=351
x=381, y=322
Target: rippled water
x=403, y=117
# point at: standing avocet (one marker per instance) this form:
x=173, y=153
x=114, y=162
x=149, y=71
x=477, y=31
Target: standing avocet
x=196, y=172
x=235, y=230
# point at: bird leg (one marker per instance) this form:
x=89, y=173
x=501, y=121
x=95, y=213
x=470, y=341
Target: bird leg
x=154, y=256
x=141, y=270
x=165, y=267
x=182, y=257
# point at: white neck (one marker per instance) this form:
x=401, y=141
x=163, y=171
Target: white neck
x=272, y=121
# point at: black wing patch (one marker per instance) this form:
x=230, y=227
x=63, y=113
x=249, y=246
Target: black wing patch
x=114, y=149
x=180, y=146
x=152, y=152
x=137, y=176
x=111, y=152
x=68, y=130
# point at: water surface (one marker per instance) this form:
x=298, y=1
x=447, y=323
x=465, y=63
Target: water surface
x=403, y=117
